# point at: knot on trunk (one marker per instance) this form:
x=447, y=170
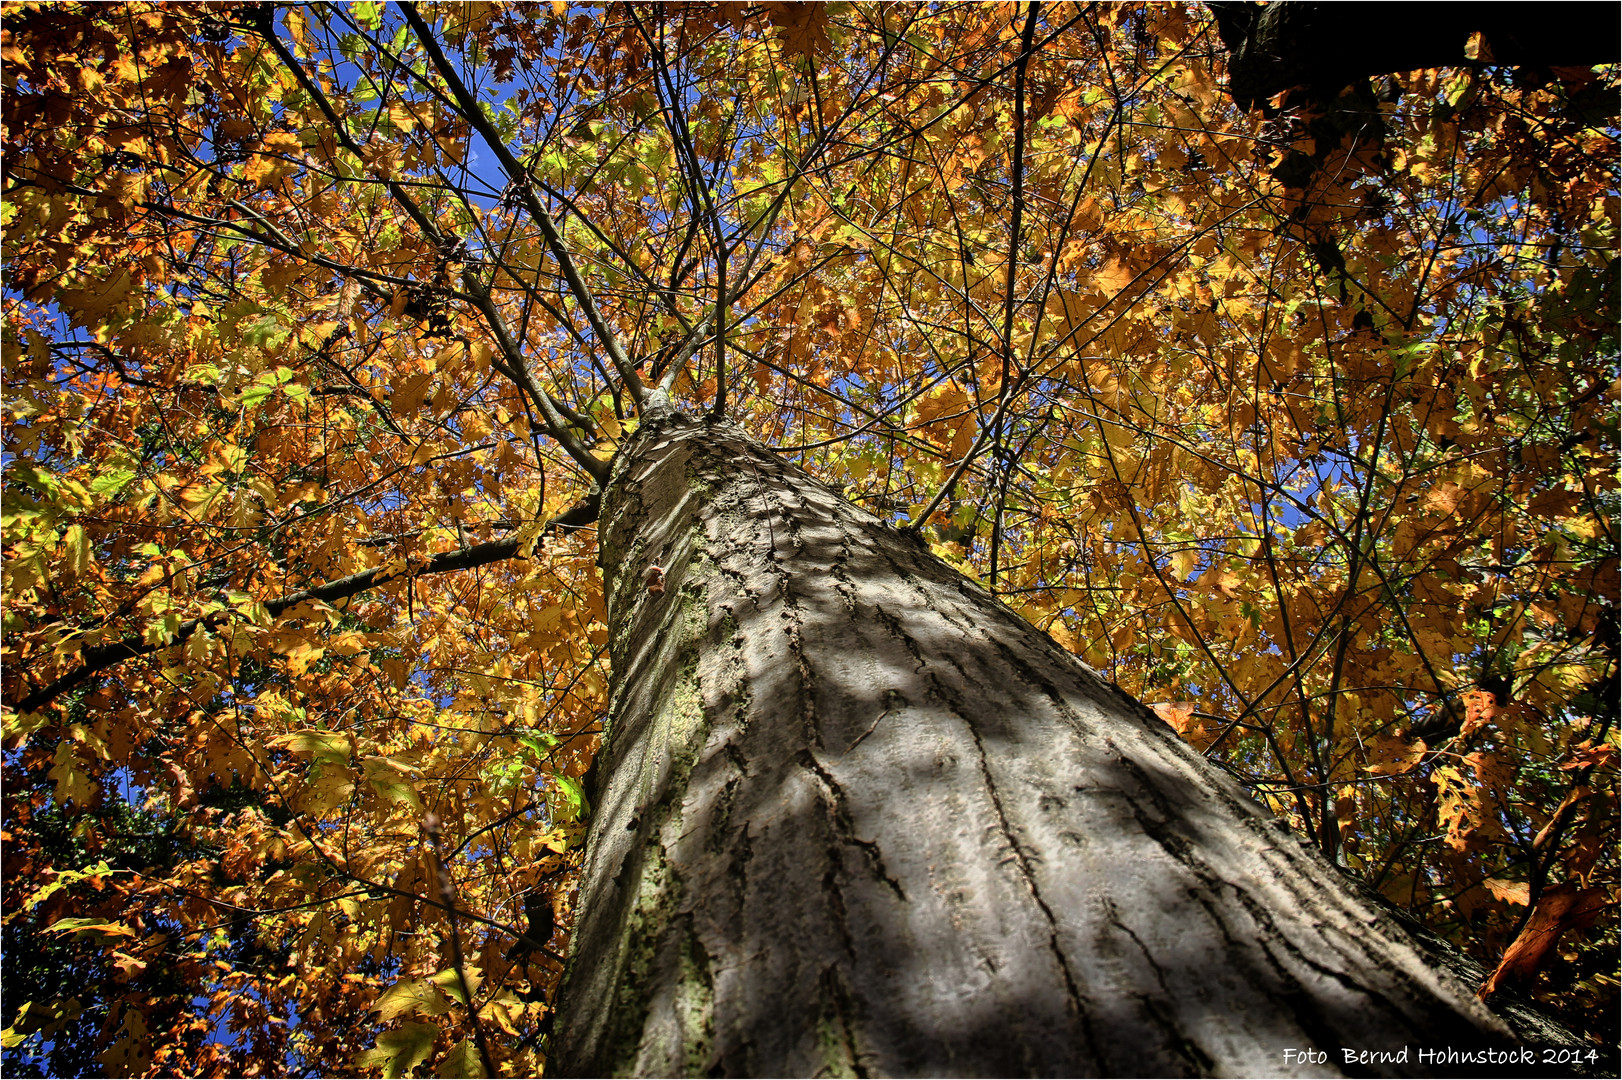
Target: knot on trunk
x=658, y=409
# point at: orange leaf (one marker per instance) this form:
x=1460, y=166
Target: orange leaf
x=1601, y=757
x=804, y=27
x=1179, y=714
x=1480, y=706
x=1511, y=892
x=271, y=164
x=1562, y=908
x=1393, y=756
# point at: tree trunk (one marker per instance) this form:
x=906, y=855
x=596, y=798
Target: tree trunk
x=855, y=817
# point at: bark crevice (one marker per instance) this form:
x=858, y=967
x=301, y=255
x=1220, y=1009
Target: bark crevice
x=839, y=817
x=1026, y=872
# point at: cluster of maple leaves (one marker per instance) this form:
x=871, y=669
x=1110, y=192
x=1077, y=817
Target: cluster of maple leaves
x=322, y=322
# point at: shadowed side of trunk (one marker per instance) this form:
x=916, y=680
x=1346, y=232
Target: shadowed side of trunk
x=858, y=818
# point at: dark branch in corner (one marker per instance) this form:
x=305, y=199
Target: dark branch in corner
x=1325, y=47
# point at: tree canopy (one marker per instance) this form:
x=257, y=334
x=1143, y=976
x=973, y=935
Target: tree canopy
x=322, y=323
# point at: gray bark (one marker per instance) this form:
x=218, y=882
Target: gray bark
x=856, y=817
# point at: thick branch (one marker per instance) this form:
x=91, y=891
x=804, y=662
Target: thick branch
x=99, y=658
x=514, y=367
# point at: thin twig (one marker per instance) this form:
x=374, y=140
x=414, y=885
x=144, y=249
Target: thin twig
x=447, y=896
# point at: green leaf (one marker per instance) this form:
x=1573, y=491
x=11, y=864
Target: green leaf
x=463, y=1060
x=502, y=776
x=162, y=630
x=266, y=384
x=64, y=879
x=387, y=779
x=320, y=745
x=539, y=743
x=574, y=797
x=369, y=13
x=98, y=930
x=410, y=996
x=267, y=332
x=451, y=983
x=19, y=726
x=401, y=1050
x=35, y=477
x=113, y=481
x=77, y=547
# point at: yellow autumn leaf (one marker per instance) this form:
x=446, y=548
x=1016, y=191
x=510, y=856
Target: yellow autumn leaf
x=462, y=1061
x=1512, y=892
x=321, y=745
x=408, y=997
x=400, y=1051
x=277, y=157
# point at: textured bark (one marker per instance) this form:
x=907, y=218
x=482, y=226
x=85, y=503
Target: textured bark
x=855, y=817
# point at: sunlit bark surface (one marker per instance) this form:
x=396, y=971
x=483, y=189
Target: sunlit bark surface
x=857, y=818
